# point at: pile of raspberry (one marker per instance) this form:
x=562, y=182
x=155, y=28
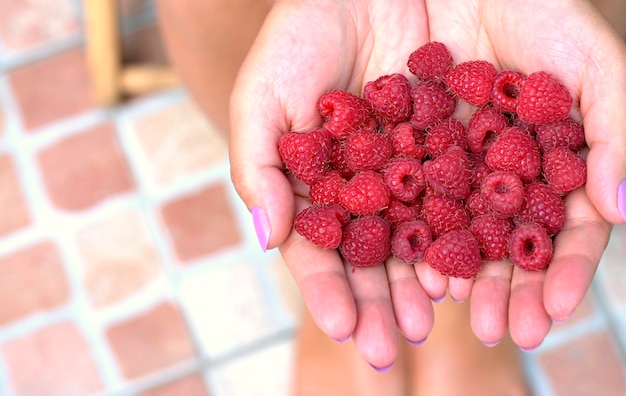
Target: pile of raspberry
x=393, y=173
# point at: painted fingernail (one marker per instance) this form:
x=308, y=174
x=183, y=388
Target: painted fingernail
x=529, y=349
x=340, y=340
x=382, y=369
x=565, y=318
x=438, y=300
x=621, y=198
x=417, y=343
x=261, y=226
x=457, y=301
x=491, y=344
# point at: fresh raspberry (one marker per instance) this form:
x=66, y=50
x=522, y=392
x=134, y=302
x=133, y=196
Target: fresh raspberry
x=390, y=97
x=326, y=189
x=565, y=133
x=530, y=247
x=366, y=241
x=492, y=234
x=476, y=204
x=506, y=90
x=543, y=206
x=516, y=151
x=431, y=104
x=449, y=174
x=444, y=214
x=410, y=240
x=398, y=212
x=543, y=99
x=484, y=126
x=447, y=133
x=338, y=158
x=344, y=113
x=478, y=169
x=472, y=81
x=455, y=254
x=516, y=122
x=322, y=224
x=406, y=141
x=404, y=177
x=306, y=155
x=366, y=150
x=364, y=194
x=563, y=169
x=503, y=192
x=431, y=62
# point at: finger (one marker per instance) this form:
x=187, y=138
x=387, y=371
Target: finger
x=432, y=281
x=460, y=288
x=411, y=304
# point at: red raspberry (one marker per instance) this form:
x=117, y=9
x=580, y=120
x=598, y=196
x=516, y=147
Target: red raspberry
x=390, y=97
x=565, y=133
x=366, y=241
x=431, y=104
x=543, y=99
x=503, y=192
x=472, y=81
x=338, y=158
x=455, y=254
x=364, y=194
x=447, y=133
x=492, y=234
x=506, y=90
x=484, y=126
x=344, y=113
x=306, y=155
x=476, y=205
x=366, y=150
x=543, y=206
x=530, y=247
x=406, y=141
x=449, y=174
x=515, y=151
x=326, y=189
x=398, y=212
x=404, y=177
x=444, y=214
x=410, y=240
x=431, y=62
x=563, y=169
x=322, y=224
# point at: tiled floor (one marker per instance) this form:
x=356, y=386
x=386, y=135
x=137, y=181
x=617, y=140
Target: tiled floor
x=128, y=266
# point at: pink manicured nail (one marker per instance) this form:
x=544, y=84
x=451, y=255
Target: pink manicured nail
x=491, y=344
x=261, y=226
x=439, y=299
x=564, y=318
x=382, y=369
x=417, y=343
x=341, y=340
x=530, y=349
x=621, y=198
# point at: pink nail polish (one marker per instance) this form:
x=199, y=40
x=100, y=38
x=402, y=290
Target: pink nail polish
x=261, y=226
x=621, y=198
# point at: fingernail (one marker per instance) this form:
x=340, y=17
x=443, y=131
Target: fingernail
x=491, y=344
x=417, y=343
x=438, y=300
x=621, y=198
x=261, y=226
x=340, y=340
x=382, y=369
x=564, y=318
x=457, y=301
x=529, y=349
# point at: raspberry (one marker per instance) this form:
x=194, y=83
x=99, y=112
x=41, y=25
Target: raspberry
x=306, y=155
x=366, y=241
x=398, y=212
x=326, y=189
x=492, y=234
x=322, y=224
x=565, y=133
x=344, y=113
x=455, y=254
x=449, y=174
x=338, y=158
x=410, y=240
x=431, y=62
x=563, y=169
x=404, y=177
x=530, y=247
x=364, y=194
x=478, y=172
x=484, y=126
x=476, y=205
x=515, y=151
x=390, y=98
x=366, y=150
x=406, y=141
x=472, y=81
x=543, y=206
x=503, y=192
x=431, y=104
x=543, y=99
x=506, y=90
x=444, y=214
x=445, y=134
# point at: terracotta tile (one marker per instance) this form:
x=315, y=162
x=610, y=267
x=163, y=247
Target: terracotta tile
x=177, y=140
x=585, y=366
x=118, y=258
x=12, y=196
x=144, y=46
x=52, y=89
x=84, y=169
x=53, y=361
x=26, y=23
x=151, y=341
x=201, y=223
x=188, y=386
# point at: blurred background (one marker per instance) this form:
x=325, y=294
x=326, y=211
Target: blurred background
x=128, y=266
